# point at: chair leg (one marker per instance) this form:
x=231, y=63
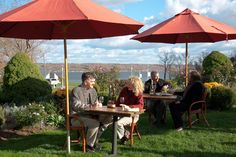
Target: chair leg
x=131, y=133
x=83, y=139
x=205, y=120
x=190, y=120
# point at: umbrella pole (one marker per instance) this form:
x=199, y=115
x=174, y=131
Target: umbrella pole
x=186, y=65
x=67, y=96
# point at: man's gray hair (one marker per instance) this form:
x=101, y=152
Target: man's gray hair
x=88, y=75
x=155, y=73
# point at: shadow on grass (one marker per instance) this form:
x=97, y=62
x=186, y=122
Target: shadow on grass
x=176, y=153
x=34, y=141
x=219, y=122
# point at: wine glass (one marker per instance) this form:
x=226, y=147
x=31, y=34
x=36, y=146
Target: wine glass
x=122, y=100
x=101, y=99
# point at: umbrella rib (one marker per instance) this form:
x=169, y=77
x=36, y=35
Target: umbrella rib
x=221, y=31
x=90, y=24
x=80, y=10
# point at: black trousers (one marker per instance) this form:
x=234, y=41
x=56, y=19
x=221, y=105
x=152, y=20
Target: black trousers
x=177, y=111
x=158, y=109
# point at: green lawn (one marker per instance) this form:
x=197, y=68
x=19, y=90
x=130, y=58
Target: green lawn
x=219, y=140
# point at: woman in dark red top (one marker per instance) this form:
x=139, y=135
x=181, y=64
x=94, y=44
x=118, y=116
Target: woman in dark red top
x=131, y=96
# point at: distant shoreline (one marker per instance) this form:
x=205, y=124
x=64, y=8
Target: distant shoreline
x=91, y=67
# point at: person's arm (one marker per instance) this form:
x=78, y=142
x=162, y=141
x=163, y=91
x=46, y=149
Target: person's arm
x=194, y=93
x=147, y=87
x=139, y=102
x=122, y=94
x=76, y=100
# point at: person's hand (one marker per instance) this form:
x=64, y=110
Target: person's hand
x=98, y=104
x=177, y=102
x=165, y=88
x=125, y=107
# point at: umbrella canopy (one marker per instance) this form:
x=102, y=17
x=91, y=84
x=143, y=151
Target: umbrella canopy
x=73, y=19
x=65, y=19
x=187, y=27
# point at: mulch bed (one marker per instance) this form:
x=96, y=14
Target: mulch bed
x=7, y=134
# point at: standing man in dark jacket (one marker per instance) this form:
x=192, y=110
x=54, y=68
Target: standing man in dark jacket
x=193, y=92
x=155, y=107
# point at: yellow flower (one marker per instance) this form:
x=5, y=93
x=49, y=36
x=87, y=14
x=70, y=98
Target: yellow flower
x=212, y=84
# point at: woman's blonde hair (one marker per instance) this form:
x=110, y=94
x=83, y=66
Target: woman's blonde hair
x=137, y=85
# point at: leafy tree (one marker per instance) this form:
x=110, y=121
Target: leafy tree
x=9, y=47
x=105, y=78
x=217, y=68
x=22, y=81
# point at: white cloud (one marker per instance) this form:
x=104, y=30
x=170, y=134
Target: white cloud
x=115, y=2
x=222, y=10
x=124, y=50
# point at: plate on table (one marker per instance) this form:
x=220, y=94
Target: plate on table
x=166, y=94
x=111, y=105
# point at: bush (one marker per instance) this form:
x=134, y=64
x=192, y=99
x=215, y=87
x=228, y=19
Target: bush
x=212, y=84
x=22, y=81
x=105, y=78
x=217, y=67
x=2, y=116
x=1, y=95
x=29, y=115
x=46, y=112
x=221, y=98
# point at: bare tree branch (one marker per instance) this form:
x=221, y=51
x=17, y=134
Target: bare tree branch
x=167, y=59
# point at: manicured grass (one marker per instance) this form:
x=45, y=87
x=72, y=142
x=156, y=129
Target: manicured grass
x=219, y=140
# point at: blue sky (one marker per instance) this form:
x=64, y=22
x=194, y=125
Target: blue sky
x=149, y=12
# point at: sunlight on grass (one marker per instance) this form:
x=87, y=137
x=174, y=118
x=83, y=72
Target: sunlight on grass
x=216, y=141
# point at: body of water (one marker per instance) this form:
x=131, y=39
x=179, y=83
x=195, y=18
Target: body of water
x=76, y=76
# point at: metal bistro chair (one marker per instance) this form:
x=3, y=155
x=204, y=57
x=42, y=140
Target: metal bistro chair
x=80, y=132
x=198, y=107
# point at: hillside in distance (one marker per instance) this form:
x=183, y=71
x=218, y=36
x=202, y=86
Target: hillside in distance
x=106, y=67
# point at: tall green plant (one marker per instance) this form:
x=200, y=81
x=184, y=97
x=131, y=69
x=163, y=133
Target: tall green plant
x=105, y=78
x=217, y=68
x=2, y=116
x=22, y=81
x=221, y=98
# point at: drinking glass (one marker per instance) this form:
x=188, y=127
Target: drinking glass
x=122, y=100
x=101, y=99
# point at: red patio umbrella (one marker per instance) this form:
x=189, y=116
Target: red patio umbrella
x=187, y=27
x=65, y=19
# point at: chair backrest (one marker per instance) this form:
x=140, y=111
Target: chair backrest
x=199, y=104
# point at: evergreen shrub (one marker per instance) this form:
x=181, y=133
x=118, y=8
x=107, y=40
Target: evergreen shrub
x=22, y=81
x=217, y=68
x=221, y=98
x=2, y=116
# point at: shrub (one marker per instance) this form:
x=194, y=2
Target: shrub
x=212, y=84
x=22, y=81
x=1, y=95
x=29, y=115
x=55, y=120
x=221, y=98
x=217, y=67
x=45, y=112
x=2, y=116
x=105, y=78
